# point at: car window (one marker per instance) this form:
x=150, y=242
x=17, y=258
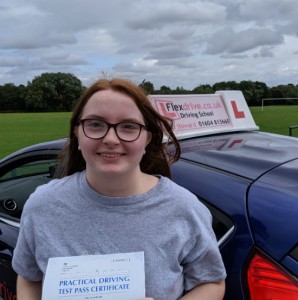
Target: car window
x=222, y=225
x=29, y=169
x=20, y=180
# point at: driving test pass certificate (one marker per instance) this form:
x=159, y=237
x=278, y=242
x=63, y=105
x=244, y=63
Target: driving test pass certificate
x=105, y=277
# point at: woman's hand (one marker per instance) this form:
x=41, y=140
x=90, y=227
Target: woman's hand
x=28, y=290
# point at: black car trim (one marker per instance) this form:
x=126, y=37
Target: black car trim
x=222, y=225
x=28, y=157
x=294, y=253
x=226, y=236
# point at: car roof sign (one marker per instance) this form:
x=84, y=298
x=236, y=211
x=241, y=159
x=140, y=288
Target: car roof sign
x=204, y=114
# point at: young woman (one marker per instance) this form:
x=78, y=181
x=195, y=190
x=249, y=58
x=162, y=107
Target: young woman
x=116, y=196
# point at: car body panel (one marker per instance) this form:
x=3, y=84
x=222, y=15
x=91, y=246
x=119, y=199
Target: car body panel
x=248, y=180
x=276, y=234
x=248, y=154
x=37, y=148
x=224, y=192
x=290, y=264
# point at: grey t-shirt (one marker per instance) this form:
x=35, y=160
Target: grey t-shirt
x=66, y=217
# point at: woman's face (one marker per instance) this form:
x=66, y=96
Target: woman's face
x=111, y=156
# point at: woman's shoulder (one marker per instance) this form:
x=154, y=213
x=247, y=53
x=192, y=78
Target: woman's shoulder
x=184, y=208
x=53, y=190
x=176, y=189
x=183, y=198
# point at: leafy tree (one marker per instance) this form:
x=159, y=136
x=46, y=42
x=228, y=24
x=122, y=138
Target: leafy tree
x=53, y=92
x=34, y=99
x=164, y=90
x=275, y=92
x=180, y=90
x=147, y=86
x=12, y=97
x=225, y=85
x=59, y=92
x=203, y=89
x=288, y=91
x=261, y=91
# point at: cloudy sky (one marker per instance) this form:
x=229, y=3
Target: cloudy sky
x=181, y=43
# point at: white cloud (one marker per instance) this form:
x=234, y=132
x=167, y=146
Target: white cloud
x=154, y=15
x=170, y=42
x=227, y=40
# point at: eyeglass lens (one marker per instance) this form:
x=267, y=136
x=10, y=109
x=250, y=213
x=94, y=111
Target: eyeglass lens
x=97, y=129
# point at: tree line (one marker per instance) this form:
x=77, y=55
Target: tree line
x=60, y=91
x=47, y=92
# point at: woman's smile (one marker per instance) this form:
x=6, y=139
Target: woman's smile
x=110, y=155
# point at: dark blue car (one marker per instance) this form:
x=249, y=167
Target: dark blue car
x=248, y=180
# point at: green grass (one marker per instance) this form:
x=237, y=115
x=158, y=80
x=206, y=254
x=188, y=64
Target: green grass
x=18, y=130
x=276, y=119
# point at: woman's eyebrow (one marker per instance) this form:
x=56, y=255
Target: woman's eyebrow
x=93, y=117
x=131, y=120
x=128, y=119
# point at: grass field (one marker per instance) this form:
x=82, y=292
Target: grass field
x=18, y=130
x=276, y=119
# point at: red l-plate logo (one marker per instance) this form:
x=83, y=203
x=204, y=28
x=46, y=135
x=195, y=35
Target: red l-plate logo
x=238, y=114
x=161, y=106
x=234, y=142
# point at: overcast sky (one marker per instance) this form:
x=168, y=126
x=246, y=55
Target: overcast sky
x=181, y=43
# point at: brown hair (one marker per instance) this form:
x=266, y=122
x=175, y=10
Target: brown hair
x=157, y=158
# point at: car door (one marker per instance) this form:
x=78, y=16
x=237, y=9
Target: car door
x=18, y=179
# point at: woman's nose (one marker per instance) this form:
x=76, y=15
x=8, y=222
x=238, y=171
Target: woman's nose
x=111, y=137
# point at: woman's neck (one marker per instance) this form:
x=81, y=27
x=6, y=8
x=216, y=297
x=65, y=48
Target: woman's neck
x=123, y=186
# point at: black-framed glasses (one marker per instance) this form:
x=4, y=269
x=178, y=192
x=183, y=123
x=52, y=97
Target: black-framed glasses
x=97, y=129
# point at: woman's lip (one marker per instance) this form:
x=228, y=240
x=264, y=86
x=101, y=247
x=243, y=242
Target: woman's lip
x=110, y=155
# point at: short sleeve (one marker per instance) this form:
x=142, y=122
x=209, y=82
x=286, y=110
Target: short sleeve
x=203, y=263
x=23, y=261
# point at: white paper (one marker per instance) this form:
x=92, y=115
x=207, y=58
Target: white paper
x=104, y=277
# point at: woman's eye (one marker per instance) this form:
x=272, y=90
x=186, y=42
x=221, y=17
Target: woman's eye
x=95, y=124
x=129, y=126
